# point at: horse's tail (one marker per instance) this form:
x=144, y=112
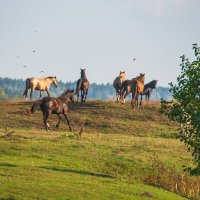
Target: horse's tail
x=78, y=85
x=35, y=105
x=27, y=87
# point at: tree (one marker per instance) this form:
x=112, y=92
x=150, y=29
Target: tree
x=3, y=96
x=185, y=108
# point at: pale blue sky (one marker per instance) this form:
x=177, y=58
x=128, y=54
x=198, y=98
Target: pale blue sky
x=102, y=36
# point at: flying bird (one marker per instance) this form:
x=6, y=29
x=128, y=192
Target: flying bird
x=33, y=51
x=24, y=66
x=42, y=71
x=134, y=59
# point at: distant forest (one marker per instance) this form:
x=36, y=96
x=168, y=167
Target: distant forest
x=14, y=88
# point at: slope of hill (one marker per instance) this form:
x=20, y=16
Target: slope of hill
x=122, y=153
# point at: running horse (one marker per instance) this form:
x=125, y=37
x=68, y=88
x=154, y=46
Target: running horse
x=52, y=105
x=41, y=84
x=117, y=83
x=137, y=89
x=83, y=86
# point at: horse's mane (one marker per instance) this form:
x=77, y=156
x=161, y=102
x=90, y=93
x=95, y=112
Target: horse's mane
x=67, y=91
x=151, y=84
x=50, y=77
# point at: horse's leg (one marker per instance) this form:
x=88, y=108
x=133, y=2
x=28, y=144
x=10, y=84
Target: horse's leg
x=137, y=99
x=134, y=95
x=26, y=95
x=45, y=117
x=117, y=96
x=77, y=96
x=86, y=94
x=125, y=96
x=48, y=93
x=65, y=115
x=40, y=94
x=57, y=125
x=82, y=95
x=31, y=93
x=141, y=100
x=133, y=99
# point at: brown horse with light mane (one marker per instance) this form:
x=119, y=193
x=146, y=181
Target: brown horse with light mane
x=117, y=83
x=41, y=84
x=137, y=89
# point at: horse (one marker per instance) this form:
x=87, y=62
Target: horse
x=137, y=89
x=52, y=105
x=148, y=88
x=125, y=90
x=83, y=86
x=41, y=84
x=117, y=83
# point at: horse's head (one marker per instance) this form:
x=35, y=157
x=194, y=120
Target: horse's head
x=154, y=83
x=83, y=73
x=122, y=75
x=68, y=94
x=55, y=81
x=142, y=77
x=71, y=95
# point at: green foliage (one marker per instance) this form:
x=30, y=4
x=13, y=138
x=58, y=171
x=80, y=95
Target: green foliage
x=185, y=109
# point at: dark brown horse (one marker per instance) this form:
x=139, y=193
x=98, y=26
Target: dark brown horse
x=83, y=86
x=41, y=84
x=148, y=88
x=52, y=105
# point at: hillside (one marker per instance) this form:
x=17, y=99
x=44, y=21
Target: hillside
x=122, y=153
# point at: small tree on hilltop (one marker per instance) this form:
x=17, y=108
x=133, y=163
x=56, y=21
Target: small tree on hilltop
x=185, y=108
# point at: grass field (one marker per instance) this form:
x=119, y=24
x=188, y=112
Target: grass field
x=122, y=153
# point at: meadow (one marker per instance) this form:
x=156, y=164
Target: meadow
x=115, y=152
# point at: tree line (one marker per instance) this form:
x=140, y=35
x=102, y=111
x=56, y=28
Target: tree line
x=14, y=88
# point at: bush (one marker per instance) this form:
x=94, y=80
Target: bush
x=185, y=108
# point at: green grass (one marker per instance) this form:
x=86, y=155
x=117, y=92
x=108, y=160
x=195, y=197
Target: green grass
x=111, y=160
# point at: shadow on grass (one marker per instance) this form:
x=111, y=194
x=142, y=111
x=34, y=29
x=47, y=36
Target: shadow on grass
x=9, y=198
x=76, y=171
x=7, y=165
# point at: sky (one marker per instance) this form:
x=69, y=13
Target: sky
x=58, y=37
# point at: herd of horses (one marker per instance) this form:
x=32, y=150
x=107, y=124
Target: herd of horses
x=59, y=105
x=135, y=86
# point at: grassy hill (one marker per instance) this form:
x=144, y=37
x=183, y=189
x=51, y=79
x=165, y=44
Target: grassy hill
x=122, y=153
